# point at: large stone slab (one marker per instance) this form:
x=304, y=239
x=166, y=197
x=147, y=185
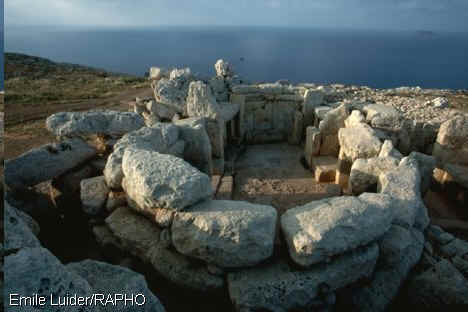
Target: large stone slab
x=404, y=185
x=201, y=102
x=83, y=124
x=312, y=145
x=36, y=271
x=172, y=92
x=365, y=173
x=279, y=288
x=226, y=233
x=154, y=180
x=17, y=233
x=197, y=151
x=140, y=237
x=321, y=229
x=106, y=278
x=46, y=162
x=162, y=138
x=312, y=99
x=400, y=251
x=359, y=142
x=334, y=120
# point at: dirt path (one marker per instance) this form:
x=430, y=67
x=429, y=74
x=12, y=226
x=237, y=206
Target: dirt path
x=22, y=136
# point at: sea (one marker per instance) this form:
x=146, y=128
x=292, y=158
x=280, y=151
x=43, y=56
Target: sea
x=379, y=59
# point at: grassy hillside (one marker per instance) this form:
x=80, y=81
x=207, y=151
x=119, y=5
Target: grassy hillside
x=34, y=80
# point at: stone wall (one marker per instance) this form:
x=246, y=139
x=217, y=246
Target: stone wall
x=267, y=111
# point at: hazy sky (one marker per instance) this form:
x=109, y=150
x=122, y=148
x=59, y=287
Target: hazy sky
x=374, y=14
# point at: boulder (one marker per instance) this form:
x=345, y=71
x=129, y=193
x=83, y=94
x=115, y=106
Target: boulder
x=438, y=287
x=106, y=278
x=160, y=110
x=94, y=192
x=278, y=287
x=400, y=252
x=46, y=162
x=334, y=120
x=355, y=119
x=201, y=101
x=162, y=138
x=365, y=173
x=18, y=234
x=451, y=145
x=220, y=89
x=312, y=100
x=325, y=228
x=312, y=145
x=85, y=124
x=226, y=233
x=223, y=69
x=388, y=150
x=426, y=164
x=172, y=93
x=359, y=142
x=180, y=74
x=197, y=150
x=404, y=185
x=140, y=237
x=381, y=115
x=154, y=180
x=36, y=271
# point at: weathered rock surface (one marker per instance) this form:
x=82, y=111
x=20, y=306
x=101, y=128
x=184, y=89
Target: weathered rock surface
x=201, y=102
x=312, y=145
x=162, y=138
x=37, y=271
x=334, y=120
x=355, y=119
x=140, y=237
x=94, y=192
x=359, y=142
x=400, y=251
x=46, y=162
x=160, y=110
x=426, y=164
x=226, y=233
x=312, y=99
x=438, y=287
x=321, y=229
x=83, y=124
x=112, y=279
x=156, y=73
x=381, y=116
x=279, y=288
x=197, y=150
x=365, y=173
x=154, y=180
x=17, y=233
x=404, y=185
x=451, y=145
x=388, y=150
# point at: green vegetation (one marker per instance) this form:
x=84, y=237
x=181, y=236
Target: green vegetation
x=34, y=80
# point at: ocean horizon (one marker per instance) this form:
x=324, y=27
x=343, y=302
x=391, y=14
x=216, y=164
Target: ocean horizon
x=379, y=59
